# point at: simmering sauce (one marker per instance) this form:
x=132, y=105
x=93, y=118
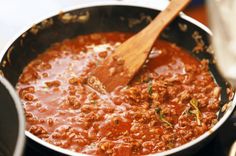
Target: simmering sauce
x=171, y=101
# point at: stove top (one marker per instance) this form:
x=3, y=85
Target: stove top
x=219, y=146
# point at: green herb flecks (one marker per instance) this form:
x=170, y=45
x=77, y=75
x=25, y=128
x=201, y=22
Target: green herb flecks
x=149, y=88
x=93, y=102
x=162, y=117
x=185, y=112
x=196, y=111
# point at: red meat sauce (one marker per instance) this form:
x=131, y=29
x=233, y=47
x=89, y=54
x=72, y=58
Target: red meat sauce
x=171, y=101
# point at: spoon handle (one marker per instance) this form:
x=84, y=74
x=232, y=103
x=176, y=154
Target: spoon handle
x=164, y=18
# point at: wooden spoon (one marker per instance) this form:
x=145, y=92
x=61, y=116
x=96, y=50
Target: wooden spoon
x=121, y=66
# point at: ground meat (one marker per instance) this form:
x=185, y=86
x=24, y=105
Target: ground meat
x=171, y=101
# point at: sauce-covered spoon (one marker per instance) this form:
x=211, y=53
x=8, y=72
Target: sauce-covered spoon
x=121, y=66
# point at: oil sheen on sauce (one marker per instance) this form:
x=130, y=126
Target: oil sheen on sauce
x=171, y=101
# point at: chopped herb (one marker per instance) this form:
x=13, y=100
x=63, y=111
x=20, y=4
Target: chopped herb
x=194, y=103
x=185, y=112
x=149, y=88
x=158, y=110
x=196, y=111
x=93, y=102
x=162, y=117
x=150, y=91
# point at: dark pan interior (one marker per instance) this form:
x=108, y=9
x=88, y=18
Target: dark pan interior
x=103, y=19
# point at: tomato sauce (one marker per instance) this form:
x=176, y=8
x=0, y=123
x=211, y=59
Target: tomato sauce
x=171, y=101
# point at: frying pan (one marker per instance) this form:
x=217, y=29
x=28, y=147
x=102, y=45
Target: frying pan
x=106, y=17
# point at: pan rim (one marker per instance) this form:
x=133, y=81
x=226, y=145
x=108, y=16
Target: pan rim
x=119, y=3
